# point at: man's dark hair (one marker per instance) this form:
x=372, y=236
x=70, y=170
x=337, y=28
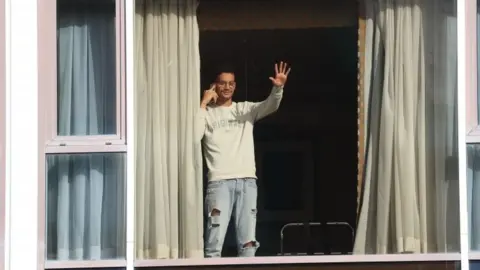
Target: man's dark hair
x=224, y=68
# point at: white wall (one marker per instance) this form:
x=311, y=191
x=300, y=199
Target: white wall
x=21, y=245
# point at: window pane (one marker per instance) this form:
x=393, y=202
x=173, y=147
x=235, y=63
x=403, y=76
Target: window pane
x=85, y=206
x=86, y=94
x=473, y=196
x=474, y=265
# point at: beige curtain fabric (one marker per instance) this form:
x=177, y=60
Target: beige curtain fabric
x=411, y=181
x=169, y=217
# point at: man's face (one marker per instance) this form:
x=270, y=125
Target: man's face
x=225, y=85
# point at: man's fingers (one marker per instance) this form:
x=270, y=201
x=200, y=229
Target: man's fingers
x=272, y=79
x=285, y=66
x=288, y=71
x=281, y=68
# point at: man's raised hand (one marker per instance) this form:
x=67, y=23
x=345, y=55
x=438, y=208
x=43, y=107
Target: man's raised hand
x=281, y=74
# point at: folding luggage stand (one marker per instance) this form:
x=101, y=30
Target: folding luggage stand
x=308, y=226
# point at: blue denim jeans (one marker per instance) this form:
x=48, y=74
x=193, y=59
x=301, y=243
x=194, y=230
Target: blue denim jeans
x=237, y=197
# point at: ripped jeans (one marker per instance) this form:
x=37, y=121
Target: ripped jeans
x=237, y=197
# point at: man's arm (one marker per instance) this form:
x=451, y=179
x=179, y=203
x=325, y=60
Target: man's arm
x=200, y=124
x=200, y=121
x=271, y=104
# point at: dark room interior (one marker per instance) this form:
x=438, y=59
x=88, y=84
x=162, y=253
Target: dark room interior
x=306, y=153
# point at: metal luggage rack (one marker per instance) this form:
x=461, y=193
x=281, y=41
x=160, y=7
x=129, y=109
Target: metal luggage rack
x=314, y=224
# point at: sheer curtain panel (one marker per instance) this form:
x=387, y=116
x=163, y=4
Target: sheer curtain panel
x=169, y=215
x=410, y=195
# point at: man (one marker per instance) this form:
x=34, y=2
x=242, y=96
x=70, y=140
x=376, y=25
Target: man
x=227, y=131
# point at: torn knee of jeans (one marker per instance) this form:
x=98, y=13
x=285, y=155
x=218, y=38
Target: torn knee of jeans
x=215, y=212
x=214, y=218
x=250, y=244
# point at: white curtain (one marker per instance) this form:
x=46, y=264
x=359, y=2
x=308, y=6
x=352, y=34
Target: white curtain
x=85, y=207
x=169, y=207
x=410, y=194
x=86, y=70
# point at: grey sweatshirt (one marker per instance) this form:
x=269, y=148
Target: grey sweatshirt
x=227, y=136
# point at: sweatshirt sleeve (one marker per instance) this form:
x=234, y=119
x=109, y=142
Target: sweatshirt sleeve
x=270, y=105
x=200, y=124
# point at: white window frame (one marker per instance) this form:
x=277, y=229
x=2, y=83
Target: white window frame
x=472, y=124
x=48, y=83
x=50, y=142
x=466, y=119
x=2, y=132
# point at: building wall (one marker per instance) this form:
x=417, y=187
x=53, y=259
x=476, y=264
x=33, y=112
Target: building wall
x=22, y=247
x=21, y=222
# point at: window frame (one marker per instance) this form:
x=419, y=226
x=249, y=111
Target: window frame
x=472, y=108
x=471, y=96
x=467, y=116
x=459, y=256
x=2, y=132
x=55, y=143
x=51, y=143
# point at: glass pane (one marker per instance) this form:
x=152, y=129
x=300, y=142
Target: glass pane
x=473, y=189
x=85, y=206
x=86, y=49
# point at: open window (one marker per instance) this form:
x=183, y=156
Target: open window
x=306, y=159
x=361, y=157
